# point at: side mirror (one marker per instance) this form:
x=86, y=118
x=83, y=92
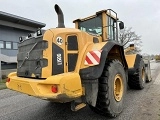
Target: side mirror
x=121, y=25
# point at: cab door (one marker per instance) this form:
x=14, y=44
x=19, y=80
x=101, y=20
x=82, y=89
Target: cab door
x=71, y=52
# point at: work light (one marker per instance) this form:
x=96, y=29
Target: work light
x=29, y=35
x=39, y=32
x=20, y=39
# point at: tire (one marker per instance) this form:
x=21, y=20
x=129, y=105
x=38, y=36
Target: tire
x=148, y=73
x=148, y=79
x=109, y=103
x=138, y=79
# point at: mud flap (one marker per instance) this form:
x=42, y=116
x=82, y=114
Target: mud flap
x=91, y=91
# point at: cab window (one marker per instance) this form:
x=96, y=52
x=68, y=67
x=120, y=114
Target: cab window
x=93, y=25
x=112, y=26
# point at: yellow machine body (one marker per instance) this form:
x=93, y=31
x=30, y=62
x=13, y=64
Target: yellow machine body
x=43, y=89
x=130, y=60
x=53, y=65
x=68, y=83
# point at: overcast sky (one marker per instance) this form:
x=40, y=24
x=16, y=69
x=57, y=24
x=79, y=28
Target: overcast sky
x=142, y=15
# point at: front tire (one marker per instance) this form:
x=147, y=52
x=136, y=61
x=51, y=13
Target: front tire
x=112, y=89
x=138, y=79
x=148, y=72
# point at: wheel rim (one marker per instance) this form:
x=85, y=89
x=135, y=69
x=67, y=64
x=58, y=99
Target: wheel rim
x=118, y=87
x=143, y=75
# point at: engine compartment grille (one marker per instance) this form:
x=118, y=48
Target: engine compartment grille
x=30, y=57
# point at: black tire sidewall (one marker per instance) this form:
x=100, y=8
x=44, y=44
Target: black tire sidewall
x=116, y=106
x=141, y=67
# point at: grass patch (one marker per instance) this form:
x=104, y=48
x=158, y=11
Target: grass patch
x=3, y=81
x=3, y=84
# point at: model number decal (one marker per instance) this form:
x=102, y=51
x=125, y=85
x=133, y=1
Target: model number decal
x=59, y=59
x=59, y=40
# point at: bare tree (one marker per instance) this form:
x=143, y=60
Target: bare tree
x=127, y=36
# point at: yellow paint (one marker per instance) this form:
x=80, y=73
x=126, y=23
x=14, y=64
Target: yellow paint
x=80, y=106
x=68, y=84
x=130, y=60
x=93, y=16
x=47, y=54
x=33, y=75
x=118, y=87
x=104, y=24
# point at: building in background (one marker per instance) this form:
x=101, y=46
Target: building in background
x=11, y=28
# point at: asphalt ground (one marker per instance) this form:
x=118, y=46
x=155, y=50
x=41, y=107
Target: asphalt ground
x=139, y=105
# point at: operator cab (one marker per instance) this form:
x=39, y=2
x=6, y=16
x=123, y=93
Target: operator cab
x=103, y=23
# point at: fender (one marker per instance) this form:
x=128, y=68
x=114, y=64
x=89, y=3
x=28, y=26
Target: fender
x=133, y=69
x=94, y=72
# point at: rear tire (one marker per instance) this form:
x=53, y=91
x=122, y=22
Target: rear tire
x=112, y=89
x=148, y=73
x=147, y=79
x=138, y=79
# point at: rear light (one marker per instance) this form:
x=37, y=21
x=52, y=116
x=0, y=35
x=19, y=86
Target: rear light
x=8, y=79
x=54, y=88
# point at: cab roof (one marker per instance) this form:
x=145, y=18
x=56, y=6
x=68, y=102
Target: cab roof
x=108, y=12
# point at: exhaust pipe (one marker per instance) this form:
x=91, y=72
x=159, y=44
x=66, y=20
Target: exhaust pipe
x=60, y=16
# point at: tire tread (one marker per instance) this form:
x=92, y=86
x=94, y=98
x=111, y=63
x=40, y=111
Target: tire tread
x=103, y=101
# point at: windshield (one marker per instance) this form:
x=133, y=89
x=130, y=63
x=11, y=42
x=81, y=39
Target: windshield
x=93, y=25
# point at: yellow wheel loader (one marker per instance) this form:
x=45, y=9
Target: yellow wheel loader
x=139, y=69
x=81, y=65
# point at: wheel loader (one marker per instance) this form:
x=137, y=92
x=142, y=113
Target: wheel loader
x=133, y=81
x=85, y=65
